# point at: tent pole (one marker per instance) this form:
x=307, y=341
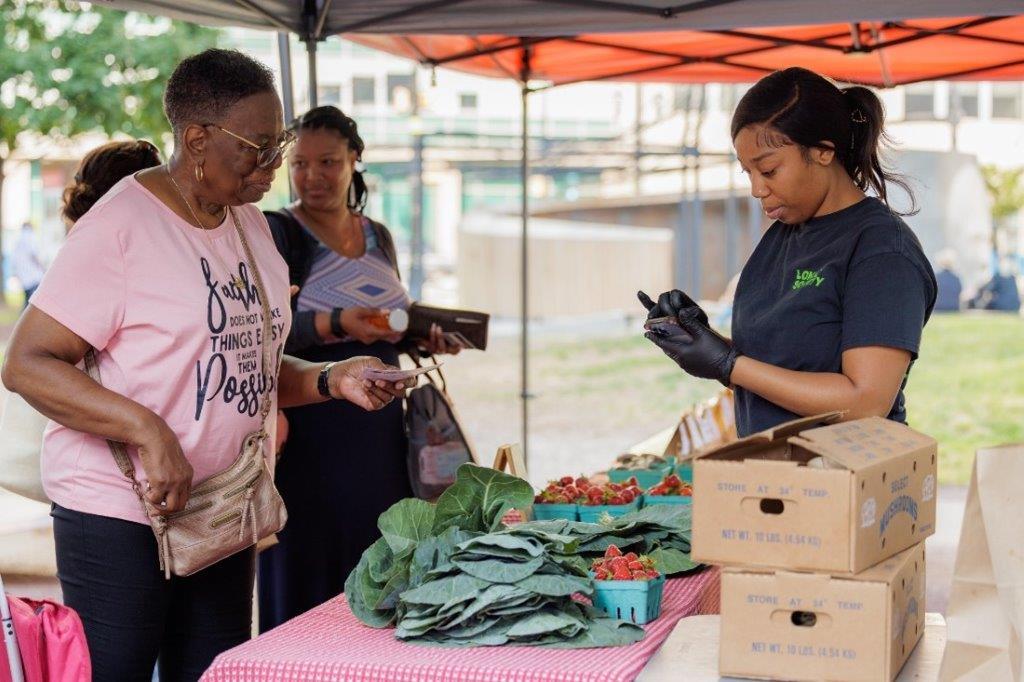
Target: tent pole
x=311, y=58
x=284, y=53
x=416, y=274
x=731, y=218
x=524, y=271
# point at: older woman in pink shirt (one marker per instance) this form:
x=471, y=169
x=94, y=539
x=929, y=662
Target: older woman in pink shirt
x=158, y=278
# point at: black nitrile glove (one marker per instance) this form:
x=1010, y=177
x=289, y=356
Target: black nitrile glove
x=670, y=304
x=694, y=346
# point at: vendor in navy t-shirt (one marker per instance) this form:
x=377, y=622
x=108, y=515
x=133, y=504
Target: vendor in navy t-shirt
x=830, y=307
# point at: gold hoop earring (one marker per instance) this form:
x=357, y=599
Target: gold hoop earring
x=199, y=173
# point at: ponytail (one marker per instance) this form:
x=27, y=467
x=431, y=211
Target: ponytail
x=867, y=139
x=804, y=108
x=357, y=192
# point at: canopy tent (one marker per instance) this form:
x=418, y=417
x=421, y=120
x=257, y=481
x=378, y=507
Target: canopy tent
x=881, y=54
x=874, y=42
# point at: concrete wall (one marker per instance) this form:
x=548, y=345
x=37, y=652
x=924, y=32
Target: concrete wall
x=575, y=269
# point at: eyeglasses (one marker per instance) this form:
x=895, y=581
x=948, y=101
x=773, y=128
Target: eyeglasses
x=266, y=155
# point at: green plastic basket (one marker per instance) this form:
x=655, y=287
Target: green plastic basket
x=593, y=514
x=652, y=500
x=685, y=471
x=645, y=478
x=547, y=512
x=636, y=601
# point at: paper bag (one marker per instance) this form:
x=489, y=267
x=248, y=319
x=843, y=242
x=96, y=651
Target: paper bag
x=985, y=617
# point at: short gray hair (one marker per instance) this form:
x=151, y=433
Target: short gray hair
x=205, y=86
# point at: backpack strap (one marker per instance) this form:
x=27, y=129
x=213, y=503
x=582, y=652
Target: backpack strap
x=295, y=244
x=386, y=243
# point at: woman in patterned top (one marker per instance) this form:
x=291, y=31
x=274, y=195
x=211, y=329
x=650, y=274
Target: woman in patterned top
x=340, y=468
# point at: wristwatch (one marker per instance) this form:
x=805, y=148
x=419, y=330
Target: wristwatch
x=336, y=329
x=323, y=387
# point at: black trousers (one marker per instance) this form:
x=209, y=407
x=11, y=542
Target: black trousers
x=110, y=574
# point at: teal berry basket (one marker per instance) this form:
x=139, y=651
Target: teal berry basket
x=634, y=601
x=594, y=514
x=685, y=471
x=645, y=478
x=652, y=500
x=548, y=512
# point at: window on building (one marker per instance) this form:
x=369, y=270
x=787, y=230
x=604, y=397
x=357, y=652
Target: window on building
x=732, y=94
x=687, y=97
x=400, y=86
x=328, y=94
x=467, y=101
x=1006, y=100
x=963, y=96
x=363, y=90
x=919, y=101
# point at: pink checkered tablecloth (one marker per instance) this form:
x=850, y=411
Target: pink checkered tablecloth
x=328, y=644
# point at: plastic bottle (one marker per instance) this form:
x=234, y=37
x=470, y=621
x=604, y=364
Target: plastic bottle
x=396, y=320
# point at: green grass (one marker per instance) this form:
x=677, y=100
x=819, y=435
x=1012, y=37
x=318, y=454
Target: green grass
x=967, y=388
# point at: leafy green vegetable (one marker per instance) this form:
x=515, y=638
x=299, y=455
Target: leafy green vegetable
x=449, y=574
x=479, y=499
x=520, y=593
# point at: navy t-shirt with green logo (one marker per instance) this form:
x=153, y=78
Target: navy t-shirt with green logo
x=857, y=277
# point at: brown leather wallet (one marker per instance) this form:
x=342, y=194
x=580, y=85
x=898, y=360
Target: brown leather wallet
x=468, y=326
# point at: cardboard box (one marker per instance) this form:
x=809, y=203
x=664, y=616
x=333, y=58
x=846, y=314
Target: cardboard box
x=807, y=626
x=757, y=503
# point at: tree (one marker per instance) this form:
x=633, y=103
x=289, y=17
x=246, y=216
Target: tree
x=1006, y=187
x=68, y=68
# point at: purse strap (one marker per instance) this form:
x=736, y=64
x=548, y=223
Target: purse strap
x=415, y=356
x=92, y=368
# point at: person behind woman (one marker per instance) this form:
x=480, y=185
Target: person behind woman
x=165, y=277
x=101, y=169
x=830, y=307
x=335, y=487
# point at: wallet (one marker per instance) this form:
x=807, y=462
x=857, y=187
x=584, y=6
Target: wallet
x=467, y=326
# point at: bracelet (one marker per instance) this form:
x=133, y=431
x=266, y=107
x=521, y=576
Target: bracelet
x=323, y=386
x=336, y=329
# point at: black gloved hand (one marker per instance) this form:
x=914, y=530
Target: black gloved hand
x=670, y=304
x=697, y=348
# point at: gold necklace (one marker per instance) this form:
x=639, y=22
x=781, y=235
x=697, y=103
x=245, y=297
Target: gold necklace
x=236, y=281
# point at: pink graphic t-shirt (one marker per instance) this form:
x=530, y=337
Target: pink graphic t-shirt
x=155, y=297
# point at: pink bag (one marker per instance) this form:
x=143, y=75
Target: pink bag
x=51, y=640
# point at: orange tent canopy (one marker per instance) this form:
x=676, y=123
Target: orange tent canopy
x=880, y=54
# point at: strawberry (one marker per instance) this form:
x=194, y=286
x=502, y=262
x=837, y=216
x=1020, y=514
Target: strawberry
x=602, y=574
x=620, y=572
x=631, y=556
x=639, y=575
x=566, y=480
x=635, y=566
x=617, y=499
x=628, y=496
x=582, y=482
x=651, y=573
x=612, y=551
x=632, y=481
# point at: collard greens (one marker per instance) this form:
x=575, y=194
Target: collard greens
x=450, y=574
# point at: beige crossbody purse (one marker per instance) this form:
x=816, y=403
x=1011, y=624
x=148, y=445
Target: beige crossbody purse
x=231, y=510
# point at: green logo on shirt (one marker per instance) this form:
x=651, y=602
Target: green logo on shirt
x=806, y=278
